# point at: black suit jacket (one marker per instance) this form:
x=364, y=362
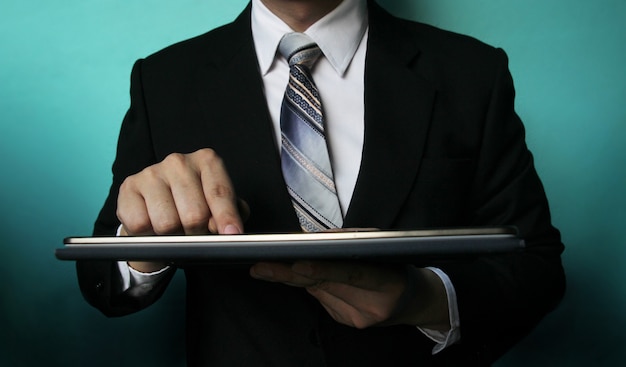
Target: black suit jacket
x=443, y=147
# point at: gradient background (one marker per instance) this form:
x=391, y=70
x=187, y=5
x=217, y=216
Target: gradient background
x=64, y=68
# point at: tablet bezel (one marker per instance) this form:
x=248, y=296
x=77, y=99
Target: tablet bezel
x=343, y=245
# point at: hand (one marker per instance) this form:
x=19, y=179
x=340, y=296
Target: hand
x=184, y=194
x=363, y=295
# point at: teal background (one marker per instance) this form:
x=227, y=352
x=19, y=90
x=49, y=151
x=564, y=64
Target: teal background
x=64, y=68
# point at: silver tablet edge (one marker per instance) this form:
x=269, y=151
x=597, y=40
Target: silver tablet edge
x=292, y=237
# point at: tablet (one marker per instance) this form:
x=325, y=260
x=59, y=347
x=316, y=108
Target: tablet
x=249, y=248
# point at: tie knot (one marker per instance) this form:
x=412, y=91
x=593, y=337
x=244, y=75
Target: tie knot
x=299, y=49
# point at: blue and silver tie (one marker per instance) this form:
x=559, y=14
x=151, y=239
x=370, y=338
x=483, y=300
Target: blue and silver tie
x=304, y=153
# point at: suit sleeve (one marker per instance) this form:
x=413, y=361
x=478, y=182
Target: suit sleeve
x=100, y=281
x=501, y=298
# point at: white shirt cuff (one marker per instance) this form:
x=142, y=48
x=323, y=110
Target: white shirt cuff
x=445, y=339
x=136, y=283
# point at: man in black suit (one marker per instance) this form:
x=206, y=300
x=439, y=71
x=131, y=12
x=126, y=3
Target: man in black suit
x=430, y=139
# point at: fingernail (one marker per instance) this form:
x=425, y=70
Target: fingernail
x=231, y=229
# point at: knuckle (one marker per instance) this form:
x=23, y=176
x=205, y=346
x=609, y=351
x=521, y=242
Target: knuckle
x=126, y=184
x=174, y=160
x=196, y=218
x=219, y=190
x=134, y=224
x=204, y=158
x=146, y=178
x=166, y=226
x=129, y=184
x=207, y=154
x=209, y=159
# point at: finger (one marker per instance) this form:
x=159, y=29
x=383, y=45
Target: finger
x=146, y=205
x=357, y=307
x=280, y=273
x=348, y=313
x=337, y=309
x=188, y=195
x=369, y=277
x=219, y=192
x=360, y=298
x=132, y=211
x=374, y=290
x=162, y=211
x=244, y=213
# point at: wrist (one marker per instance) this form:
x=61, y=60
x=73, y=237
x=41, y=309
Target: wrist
x=424, y=302
x=147, y=267
x=141, y=266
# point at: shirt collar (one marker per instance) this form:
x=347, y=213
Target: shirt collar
x=338, y=34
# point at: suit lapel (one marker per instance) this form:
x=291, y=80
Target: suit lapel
x=398, y=104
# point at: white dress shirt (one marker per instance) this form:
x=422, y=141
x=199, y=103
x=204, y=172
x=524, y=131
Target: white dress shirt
x=339, y=76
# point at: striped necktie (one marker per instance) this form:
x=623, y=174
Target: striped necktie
x=304, y=153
